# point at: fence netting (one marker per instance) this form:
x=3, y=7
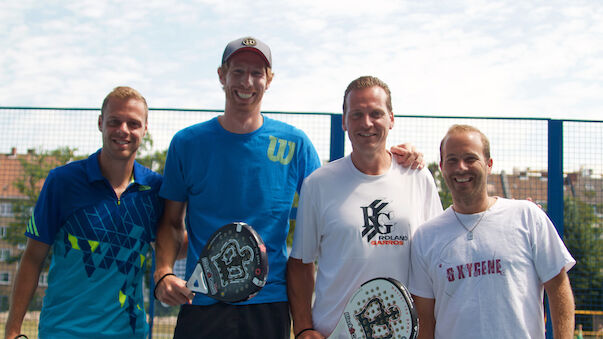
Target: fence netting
x=34, y=140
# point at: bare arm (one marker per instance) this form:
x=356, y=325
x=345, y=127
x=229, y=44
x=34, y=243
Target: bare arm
x=300, y=286
x=425, y=310
x=408, y=156
x=171, y=238
x=25, y=284
x=561, y=304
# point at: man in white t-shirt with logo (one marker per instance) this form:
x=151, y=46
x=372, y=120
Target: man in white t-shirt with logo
x=356, y=215
x=479, y=270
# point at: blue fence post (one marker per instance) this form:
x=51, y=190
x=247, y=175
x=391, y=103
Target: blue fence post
x=555, y=189
x=337, y=137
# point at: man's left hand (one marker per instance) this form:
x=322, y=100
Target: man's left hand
x=408, y=156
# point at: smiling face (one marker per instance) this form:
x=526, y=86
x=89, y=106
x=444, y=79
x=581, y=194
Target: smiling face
x=367, y=119
x=123, y=125
x=465, y=167
x=245, y=80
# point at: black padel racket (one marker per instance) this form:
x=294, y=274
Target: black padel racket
x=380, y=308
x=233, y=265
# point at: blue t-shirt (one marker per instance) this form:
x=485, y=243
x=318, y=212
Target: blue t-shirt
x=227, y=177
x=99, y=248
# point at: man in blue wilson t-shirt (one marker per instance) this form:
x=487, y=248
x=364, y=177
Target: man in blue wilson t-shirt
x=99, y=215
x=240, y=166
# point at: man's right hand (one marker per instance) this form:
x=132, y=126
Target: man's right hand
x=173, y=291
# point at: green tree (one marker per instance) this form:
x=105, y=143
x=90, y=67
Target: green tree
x=583, y=236
x=36, y=166
x=153, y=160
x=443, y=191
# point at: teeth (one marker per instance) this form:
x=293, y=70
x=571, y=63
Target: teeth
x=365, y=135
x=462, y=180
x=122, y=142
x=244, y=95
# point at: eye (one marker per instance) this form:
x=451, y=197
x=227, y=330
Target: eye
x=113, y=122
x=134, y=124
x=356, y=115
x=471, y=159
x=377, y=114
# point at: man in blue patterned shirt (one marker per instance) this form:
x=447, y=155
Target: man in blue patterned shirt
x=99, y=215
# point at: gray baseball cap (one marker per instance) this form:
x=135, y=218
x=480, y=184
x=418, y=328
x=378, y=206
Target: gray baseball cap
x=247, y=44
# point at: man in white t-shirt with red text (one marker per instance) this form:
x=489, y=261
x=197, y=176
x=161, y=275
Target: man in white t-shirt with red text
x=480, y=269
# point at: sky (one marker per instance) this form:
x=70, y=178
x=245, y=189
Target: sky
x=541, y=59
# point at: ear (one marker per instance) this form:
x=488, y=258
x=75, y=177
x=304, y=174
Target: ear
x=269, y=78
x=391, y=117
x=100, y=122
x=489, y=164
x=222, y=76
x=343, y=122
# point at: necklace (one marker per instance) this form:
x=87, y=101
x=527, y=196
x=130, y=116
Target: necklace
x=470, y=231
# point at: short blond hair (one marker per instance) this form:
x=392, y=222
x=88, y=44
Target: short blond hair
x=458, y=128
x=368, y=81
x=122, y=93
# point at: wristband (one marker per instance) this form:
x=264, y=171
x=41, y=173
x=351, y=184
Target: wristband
x=157, y=283
x=304, y=330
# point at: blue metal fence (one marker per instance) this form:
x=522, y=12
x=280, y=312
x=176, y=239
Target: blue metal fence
x=552, y=161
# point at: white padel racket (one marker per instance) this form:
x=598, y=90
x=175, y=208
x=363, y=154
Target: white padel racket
x=380, y=308
x=233, y=265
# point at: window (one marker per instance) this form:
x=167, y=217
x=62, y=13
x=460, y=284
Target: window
x=4, y=278
x=6, y=209
x=3, y=231
x=5, y=253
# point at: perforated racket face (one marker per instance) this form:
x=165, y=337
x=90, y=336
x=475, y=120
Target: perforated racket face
x=381, y=308
x=235, y=263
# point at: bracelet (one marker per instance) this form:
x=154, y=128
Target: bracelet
x=157, y=283
x=304, y=330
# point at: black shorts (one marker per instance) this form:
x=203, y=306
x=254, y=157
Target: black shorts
x=225, y=321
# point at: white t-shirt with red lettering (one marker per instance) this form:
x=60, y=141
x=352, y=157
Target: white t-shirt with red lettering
x=490, y=286
x=358, y=227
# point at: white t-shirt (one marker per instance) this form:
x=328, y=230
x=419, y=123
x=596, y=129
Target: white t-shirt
x=358, y=226
x=490, y=286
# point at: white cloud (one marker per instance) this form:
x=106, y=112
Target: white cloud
x=458, y=57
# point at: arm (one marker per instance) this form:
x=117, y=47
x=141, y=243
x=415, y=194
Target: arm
x=183, y=247
x=25, y=284
x=300, y=286
x=425, y=310
x=561, y=304
x=407, y=155
x=171, y=238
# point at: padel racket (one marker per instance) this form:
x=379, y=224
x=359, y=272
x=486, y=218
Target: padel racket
x=233, y=265
x=380, y=308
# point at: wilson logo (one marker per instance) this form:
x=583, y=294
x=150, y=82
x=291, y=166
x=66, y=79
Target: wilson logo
x=284, y=147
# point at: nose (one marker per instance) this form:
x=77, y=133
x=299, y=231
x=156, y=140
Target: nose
x=366, y=120
x=247, y=79
x=463, y=165
x=123, y=127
